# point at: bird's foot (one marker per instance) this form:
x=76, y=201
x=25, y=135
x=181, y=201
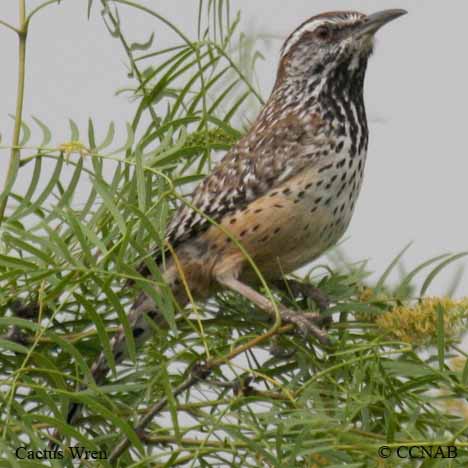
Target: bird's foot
x=312, y=292
x=307, y=324
x=296, y=288
x=321, y=299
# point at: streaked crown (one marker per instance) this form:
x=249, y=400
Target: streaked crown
x=329, y=40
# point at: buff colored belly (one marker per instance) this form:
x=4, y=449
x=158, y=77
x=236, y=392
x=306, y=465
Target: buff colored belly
x=287, y=228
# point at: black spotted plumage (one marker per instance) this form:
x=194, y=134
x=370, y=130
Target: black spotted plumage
x=286, y=191
x=259, y=162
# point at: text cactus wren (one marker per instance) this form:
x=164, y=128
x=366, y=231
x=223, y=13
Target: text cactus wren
x=286, y=191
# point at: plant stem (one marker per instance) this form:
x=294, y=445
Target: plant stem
x=9, y=26
x=195, y=377
x=15, y=153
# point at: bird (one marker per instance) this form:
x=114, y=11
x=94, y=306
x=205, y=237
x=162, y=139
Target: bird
x=284, y=193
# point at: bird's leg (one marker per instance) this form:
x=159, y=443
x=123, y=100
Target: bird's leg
x=305, y=323
x=309, y=291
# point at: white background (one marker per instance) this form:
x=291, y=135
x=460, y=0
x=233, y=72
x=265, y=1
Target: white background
x=416, y=93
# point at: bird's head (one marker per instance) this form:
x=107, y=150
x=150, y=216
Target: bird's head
x=342, y=39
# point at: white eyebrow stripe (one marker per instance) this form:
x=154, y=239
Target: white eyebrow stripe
x=343, y=19
x=310, y=26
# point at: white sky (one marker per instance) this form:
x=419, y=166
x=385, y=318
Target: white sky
x=416, y=93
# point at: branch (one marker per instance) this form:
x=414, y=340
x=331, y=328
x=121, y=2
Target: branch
x=15, y=154
x=199, y=372
x=9, y=26
x=188, y=442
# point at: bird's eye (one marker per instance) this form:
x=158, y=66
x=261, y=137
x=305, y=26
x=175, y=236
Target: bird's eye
x=323, y=32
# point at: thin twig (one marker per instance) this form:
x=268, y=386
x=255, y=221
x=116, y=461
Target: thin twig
x=9, y=26
x=15, y=154
x=188, y=442
x=135, y=69
x=199, y=372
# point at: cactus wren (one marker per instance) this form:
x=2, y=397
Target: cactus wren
x=286, y=191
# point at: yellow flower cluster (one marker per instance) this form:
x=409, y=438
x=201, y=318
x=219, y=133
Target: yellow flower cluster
x=317, y=460
x=417, y=324
x=215, y=136
x=367, y=295
x=71, y=147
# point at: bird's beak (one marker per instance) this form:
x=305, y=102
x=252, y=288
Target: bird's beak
x=375, y=21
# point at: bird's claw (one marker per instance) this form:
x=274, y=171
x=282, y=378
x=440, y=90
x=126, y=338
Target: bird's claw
x=307, y=324
x=309, y=291
x=317, y=295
